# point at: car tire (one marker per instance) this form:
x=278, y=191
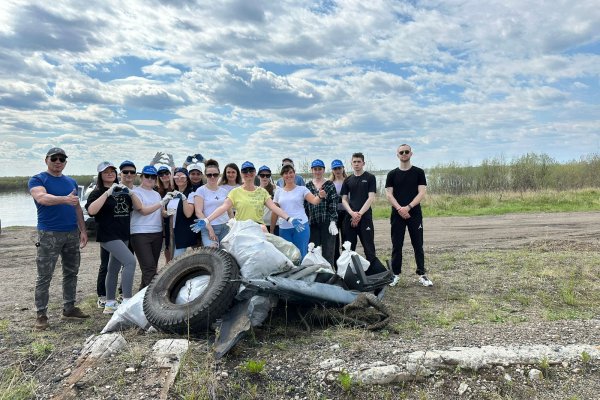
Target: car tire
x=196, y=316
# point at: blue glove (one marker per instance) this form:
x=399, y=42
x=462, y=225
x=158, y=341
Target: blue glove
x=188, y=159
x=199, y=157
x=298, y=226
x=198, y=225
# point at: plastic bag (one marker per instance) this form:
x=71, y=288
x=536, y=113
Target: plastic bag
x=315, y=257
x=287, y=248
x=129, y=315
x=192, y=289
x=255, y=255
x=346, y=259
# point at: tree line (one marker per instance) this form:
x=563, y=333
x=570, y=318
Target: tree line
x=529, y=172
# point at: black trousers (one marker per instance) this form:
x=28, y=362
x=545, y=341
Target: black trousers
x=365, y=231
x=320, y=236
x=101, y=280
x=415, y=230
x=147, y=248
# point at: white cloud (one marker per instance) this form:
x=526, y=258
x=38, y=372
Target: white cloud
x=238, y=79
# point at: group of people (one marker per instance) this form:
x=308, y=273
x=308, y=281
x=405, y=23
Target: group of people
x=181, y=208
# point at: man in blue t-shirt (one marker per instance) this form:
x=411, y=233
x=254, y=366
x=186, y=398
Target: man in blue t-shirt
x=61, y=231
x=405, y=188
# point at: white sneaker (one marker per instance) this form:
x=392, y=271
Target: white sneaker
x=425, y=281
x=110, y=307
x=101, y=301
x=395, y=281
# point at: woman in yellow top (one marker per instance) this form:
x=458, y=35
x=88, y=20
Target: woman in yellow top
x=249, y=202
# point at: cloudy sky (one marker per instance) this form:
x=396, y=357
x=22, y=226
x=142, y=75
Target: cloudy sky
x=459, y=80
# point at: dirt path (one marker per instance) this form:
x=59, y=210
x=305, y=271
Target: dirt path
x=17, y=246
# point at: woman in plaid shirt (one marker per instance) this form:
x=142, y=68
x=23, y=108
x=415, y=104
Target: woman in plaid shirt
x=323, y=216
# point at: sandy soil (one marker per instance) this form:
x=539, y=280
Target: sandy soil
x=18, y=271
x=17, y=247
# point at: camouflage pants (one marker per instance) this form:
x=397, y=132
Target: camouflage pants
x=50, y=245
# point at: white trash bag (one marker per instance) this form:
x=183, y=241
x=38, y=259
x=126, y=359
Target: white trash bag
x=345, y=260
x=287, y=248
x=192, y=289
x=255, y=255
x=315, y=257
x=129, y=315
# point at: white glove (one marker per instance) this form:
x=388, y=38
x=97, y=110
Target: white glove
x=170, y=160
x=333, y=229
x=168, y=197
x=110, y=190
x=157, y=158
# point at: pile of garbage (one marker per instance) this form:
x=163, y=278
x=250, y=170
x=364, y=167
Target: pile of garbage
x=234, y=288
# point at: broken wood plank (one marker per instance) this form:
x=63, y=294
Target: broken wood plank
x=167, y=353
x=96, y=348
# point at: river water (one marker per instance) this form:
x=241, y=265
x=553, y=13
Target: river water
x=17, y=208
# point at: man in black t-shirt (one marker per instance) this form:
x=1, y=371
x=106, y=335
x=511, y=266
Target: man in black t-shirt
x=358, y=193
x=405, y=188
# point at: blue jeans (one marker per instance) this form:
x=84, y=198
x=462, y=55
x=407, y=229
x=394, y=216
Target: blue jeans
x=220, y=231
x=178, y=252
x=299, y=239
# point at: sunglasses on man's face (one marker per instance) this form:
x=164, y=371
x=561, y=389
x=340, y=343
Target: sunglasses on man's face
x=128, y=172
x=248, y=171
x=149, y=176
x=403, y=152
x=212, y=175
x=58, y=158
x=264, y=175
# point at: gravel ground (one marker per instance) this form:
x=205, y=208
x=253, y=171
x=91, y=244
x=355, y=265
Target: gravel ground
x=292, y=355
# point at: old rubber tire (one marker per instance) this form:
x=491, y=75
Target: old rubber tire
x=159, y=302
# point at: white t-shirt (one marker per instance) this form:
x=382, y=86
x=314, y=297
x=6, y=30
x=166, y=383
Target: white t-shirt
x=150, y=223
x=292, y=202
x=268, y=212
x=229, y=187
x=212, y=200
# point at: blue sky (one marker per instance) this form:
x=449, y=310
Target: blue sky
x=461, y=81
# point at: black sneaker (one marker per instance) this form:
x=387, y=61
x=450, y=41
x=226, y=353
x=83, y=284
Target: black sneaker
x=75, y=314
x=41, y=322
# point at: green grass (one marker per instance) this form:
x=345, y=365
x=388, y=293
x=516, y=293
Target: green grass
x=498, y=287
x=15, y=385
x=498, y=203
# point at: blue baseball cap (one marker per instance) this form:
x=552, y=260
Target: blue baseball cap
x=317, y=163
x=149, y=170
x=264, y=168
x=164, y=169
x=247, y=165
x=126, y=163
x=182, y=170
x=337, y=164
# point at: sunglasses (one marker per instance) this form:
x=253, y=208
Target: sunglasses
x=180, y=177
x=404, y=152
x=164, y=173
x=57, y=158
x=149, y=176
x=128, y=172
x=264, y=175
x=248, y=171
x=212, y=175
